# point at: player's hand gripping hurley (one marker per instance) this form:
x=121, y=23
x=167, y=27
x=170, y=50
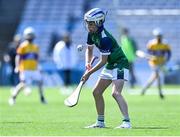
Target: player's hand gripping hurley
x=73, y=99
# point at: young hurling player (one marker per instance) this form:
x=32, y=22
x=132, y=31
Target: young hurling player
x=27, y=65
x=115, y=71
x=162, y=53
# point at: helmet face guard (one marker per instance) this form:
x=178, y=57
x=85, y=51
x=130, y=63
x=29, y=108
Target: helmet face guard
x=95, y=15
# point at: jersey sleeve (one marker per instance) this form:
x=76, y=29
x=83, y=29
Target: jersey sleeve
x=20, y=50
x=89, y=40
x=106, y=46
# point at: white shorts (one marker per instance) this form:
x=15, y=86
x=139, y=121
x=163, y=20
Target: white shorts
x=29, y=76
x=115, y=74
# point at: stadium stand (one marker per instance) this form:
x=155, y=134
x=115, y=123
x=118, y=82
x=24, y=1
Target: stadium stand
x=140, y=16
x=10, y=15
x=47, y=19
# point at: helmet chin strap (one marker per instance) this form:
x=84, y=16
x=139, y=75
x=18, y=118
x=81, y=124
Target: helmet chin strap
x=100, y=29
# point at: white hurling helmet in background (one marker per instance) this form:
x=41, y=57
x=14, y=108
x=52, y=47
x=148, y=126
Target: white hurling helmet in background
x=97, y=15
x=29, y=33
x=157, y=32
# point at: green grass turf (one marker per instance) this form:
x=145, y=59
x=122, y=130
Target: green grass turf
x=149, y=115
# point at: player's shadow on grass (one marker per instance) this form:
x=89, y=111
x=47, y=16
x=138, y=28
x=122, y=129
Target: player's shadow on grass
x=152, y=127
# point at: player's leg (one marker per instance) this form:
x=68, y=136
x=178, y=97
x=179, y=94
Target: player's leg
x=117, y=87
x=38, y=78
x=102, y=84
x=159, y=85
x=98, y=91
x=15, y=93
x=41, y=92
x=18, y=88
x=67, y=77
x=150, y=81
x=132, y=75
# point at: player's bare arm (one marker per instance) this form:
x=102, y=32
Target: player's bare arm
x=17, y=61
x=89, y=54
x=99, y=65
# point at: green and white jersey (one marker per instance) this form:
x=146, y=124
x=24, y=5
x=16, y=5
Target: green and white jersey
x=107, y=45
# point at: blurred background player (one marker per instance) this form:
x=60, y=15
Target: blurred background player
x=64, y=56
x=12, y=48
x=162, y=53
x=27, y=65
x=55, y=37
x=115, y=62
x=129, y=48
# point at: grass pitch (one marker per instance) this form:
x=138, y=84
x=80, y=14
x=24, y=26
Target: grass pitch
x=150, y=116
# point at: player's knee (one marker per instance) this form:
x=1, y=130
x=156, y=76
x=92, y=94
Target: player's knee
x=22, y=84
x=115, y=94
x=96, y=93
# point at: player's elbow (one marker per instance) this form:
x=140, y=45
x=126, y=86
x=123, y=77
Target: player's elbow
x=104, y=59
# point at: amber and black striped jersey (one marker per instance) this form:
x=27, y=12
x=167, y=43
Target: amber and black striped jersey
x=28, y=53
x=160, y=50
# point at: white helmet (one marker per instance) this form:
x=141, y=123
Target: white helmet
x=96, y=15
x=29, y=33
x=157, y=32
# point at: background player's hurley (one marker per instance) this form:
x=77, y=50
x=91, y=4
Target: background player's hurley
x=73, y=99
x=143, y=54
